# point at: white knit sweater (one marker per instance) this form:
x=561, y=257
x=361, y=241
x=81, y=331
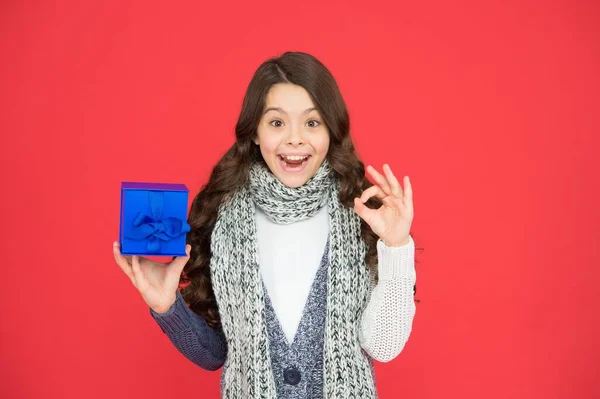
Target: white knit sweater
x=290, y=255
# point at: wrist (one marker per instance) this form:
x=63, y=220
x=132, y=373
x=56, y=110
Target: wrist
x=396, y=242
x=166, y=307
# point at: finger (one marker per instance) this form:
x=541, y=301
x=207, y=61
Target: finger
x=380, y=179
x=127, y=258
x=363, y=211
x=180, y=261
x=122, y=261
x=135, y=267
x=370, y=192
x=396, y=188
x=387, y=200
x=408, y=192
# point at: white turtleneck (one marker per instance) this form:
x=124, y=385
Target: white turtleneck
x=290, y=256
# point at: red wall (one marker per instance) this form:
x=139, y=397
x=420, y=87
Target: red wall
x=490, y=107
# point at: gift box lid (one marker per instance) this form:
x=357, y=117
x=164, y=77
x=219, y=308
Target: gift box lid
x=129, y=185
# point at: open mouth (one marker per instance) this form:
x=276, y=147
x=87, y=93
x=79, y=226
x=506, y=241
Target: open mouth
x=293, y=163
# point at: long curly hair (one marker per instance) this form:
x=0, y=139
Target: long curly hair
x=232, y=170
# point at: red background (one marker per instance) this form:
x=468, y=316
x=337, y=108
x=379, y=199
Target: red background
x=490, y=107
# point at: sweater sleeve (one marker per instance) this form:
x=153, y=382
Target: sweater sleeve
x=387, y=320
x=192, y=336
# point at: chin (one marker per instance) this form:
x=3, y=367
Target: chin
x=292, y=181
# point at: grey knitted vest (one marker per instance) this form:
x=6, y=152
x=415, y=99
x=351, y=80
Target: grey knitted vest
x=240, y=296
x=298, y=367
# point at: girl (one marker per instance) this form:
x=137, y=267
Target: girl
x=299, y=272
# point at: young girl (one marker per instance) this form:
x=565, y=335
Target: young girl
x=299, y=272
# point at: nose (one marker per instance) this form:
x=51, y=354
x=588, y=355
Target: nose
x=294, y=136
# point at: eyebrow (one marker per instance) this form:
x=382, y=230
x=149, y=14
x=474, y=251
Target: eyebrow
x=283, y=112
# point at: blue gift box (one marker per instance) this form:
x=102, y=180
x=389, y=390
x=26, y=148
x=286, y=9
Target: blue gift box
x=153, y=219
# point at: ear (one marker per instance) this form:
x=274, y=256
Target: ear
x=255, y=140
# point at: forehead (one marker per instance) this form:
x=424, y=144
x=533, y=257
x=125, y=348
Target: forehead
x=291, y=98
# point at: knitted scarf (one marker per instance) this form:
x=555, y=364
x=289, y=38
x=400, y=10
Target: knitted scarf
x=237, y=285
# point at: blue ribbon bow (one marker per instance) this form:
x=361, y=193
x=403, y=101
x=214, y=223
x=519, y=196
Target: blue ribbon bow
x=153, y=227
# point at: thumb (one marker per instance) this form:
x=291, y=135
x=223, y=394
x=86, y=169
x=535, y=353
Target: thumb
x=362, y=210
x=179, y=262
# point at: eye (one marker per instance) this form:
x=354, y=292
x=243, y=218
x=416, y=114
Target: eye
x=317, y=123
x=275, y=121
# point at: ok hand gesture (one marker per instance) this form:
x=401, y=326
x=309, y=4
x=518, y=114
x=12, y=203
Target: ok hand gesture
x=391, y=222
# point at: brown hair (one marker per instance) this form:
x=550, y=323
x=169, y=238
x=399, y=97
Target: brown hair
x=232, y=169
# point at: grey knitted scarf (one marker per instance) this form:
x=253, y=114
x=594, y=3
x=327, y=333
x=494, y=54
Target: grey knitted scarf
x=237, y=285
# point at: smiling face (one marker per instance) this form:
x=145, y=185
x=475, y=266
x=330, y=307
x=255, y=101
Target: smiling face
x=291, y=134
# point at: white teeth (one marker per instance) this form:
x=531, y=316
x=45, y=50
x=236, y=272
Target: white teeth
x=295, y=157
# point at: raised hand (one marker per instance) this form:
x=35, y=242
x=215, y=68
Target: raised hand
x=391, y=222
x=157, y=282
